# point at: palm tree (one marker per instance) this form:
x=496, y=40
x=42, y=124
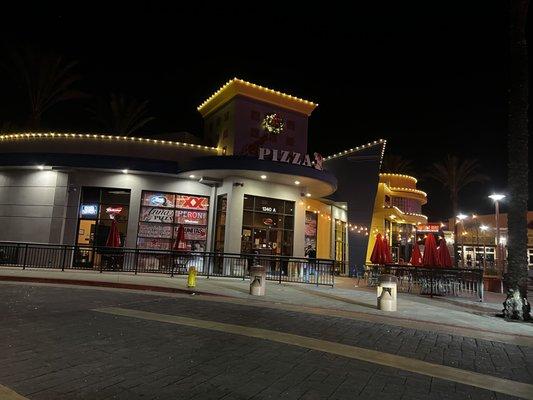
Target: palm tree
x=397, y=164
x=120, y=114
x=46, y=78
x=455, y=175
x=516, y=305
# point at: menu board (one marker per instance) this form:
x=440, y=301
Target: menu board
x=157, y=199
x=163, y=231
x=157, y=214
x=161, y=215
x=191, y=217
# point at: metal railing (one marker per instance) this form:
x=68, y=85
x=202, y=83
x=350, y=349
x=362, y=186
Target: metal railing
x=433, y=281
x=134, y=260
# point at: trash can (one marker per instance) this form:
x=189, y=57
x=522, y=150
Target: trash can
x=257, y=280
x=387, y=293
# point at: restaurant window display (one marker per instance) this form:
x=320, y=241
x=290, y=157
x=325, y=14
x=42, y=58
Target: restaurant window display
x=98, y=207
x=268, y=226
x=311, y=225
x=161, y=215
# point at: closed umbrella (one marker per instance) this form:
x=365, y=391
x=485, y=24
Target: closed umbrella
x=377, y=256
x=180, y=244
x=443, y=255
x=416, y=256
x=430, y=252
x=386, y=251
x=113, y=238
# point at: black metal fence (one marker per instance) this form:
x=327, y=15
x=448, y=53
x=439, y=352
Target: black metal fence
x=67, y=257
x=433, y=281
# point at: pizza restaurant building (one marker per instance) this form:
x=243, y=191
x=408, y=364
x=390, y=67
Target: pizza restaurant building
x=251, y=187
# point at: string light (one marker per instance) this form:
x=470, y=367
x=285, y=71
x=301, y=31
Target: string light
x=387, y=174
x=92, y=136
x=354, y=149
x=237, y=84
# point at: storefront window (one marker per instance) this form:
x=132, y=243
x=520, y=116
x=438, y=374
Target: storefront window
x=340, y=243
x=268, y=226
x=162, y=214
x=97, y=207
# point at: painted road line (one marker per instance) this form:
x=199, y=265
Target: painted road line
x=488, y=382
x=8, y=394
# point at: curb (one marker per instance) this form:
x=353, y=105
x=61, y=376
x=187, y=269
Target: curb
x=131, y=286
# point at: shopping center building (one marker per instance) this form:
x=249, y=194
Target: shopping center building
x=398, y=215
x=251, y=187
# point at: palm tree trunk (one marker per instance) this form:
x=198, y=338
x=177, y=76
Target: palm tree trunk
x=455, y=208
x=516, y=305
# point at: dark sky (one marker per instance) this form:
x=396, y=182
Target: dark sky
x=430, y=78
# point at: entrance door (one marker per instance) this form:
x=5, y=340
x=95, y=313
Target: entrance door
x=84, y=257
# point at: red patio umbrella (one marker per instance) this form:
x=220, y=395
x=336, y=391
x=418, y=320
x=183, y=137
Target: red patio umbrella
x=416, y=256
x=377, y=256
x=430, y=251
x=180, y=244
x=113, y=238
x=443, y=255
x=386, y=251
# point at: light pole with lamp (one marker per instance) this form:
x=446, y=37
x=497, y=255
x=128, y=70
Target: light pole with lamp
x=496, y=198
x=460, y=217
x=484, y=228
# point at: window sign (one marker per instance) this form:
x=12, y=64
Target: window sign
x=192, y=202
x=162, y=214
x=163, y=231
x=158, y=199
x=113, y=210
x=156, y=214
x=191, y=217
x=89, y=210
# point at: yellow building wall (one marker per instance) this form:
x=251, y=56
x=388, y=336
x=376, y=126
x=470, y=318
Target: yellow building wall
x=323, y=238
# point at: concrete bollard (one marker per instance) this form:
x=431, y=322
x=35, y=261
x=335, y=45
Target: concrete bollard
x=257, y=280
x=387, y=294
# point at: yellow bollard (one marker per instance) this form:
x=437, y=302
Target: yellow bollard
x=191, y=279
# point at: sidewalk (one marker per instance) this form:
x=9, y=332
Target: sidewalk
x=345, y=298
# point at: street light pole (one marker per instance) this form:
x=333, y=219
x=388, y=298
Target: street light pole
x=496, y=198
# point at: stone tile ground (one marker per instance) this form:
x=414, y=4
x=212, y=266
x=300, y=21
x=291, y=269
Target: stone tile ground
x=54, y=347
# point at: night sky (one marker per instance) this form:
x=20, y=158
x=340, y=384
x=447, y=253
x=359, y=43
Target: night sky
x=430, y=79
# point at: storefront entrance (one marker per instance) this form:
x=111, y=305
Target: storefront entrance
x=268, y=226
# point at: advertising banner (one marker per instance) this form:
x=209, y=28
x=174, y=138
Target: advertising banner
x=154, y=214
x=158, y=199
x=192, y=202
x=163, y=231
x=154, y=244
x=195, y=233
x=191, y=217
